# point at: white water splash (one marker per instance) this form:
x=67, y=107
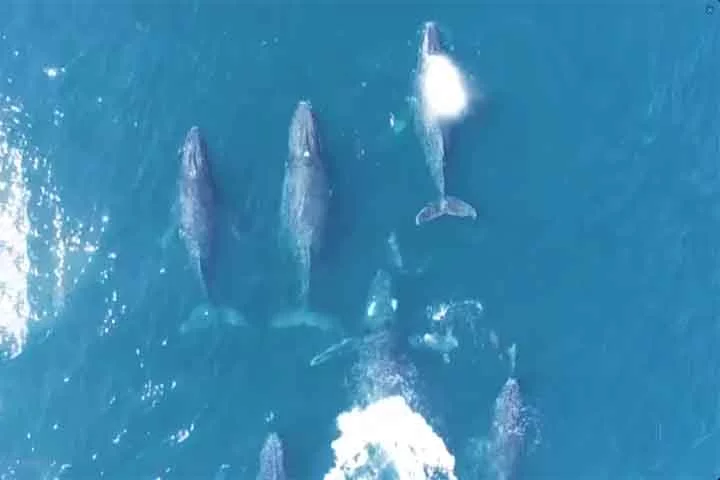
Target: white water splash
x=388, y=434
x=53, y=72
x=444, y=319
x=153, y=393
x=183, y=434
x=383, y=433
x=35, y=468
x=443, y=89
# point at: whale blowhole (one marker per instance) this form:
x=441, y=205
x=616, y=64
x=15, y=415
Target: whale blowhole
x=442, y=86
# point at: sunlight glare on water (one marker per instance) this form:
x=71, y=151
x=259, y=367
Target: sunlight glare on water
x=14, y=260
x=34, y=225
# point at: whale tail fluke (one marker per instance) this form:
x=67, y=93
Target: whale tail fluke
x=447, y=205
x=206, y=315
x=303, y=317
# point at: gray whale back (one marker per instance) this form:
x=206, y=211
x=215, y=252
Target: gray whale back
x=305, y=191
x=197, y=203
x=271, y=459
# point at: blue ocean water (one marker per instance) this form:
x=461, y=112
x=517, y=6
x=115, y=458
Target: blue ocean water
x=592, y=161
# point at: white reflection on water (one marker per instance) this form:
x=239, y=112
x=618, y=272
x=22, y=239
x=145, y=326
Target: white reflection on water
x=44, y=252
x=14, y=260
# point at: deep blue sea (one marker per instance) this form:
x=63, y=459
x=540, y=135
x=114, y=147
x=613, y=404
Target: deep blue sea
x=593, y=159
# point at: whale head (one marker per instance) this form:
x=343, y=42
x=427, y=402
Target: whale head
x=303, y=141
x=194, y=153
x=431, y=39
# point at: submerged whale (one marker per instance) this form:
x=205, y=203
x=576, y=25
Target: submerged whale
x=434, y=109
x=196, y=202
x=375, y=327
x=271, y=459
x=305, y=194
x=512, y=421
x=196, y=198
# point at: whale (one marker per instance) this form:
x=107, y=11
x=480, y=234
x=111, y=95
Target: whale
x=305, y=193
x=511, y=422
x=303, y=214
x=433, y=128
x=379, y=318
x=196, y=222
x=196, y=197
x=271, y=459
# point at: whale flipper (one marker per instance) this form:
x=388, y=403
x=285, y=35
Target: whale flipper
x=447, y=205
x=206, y=315
x=344, y=345
x=172, y=229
